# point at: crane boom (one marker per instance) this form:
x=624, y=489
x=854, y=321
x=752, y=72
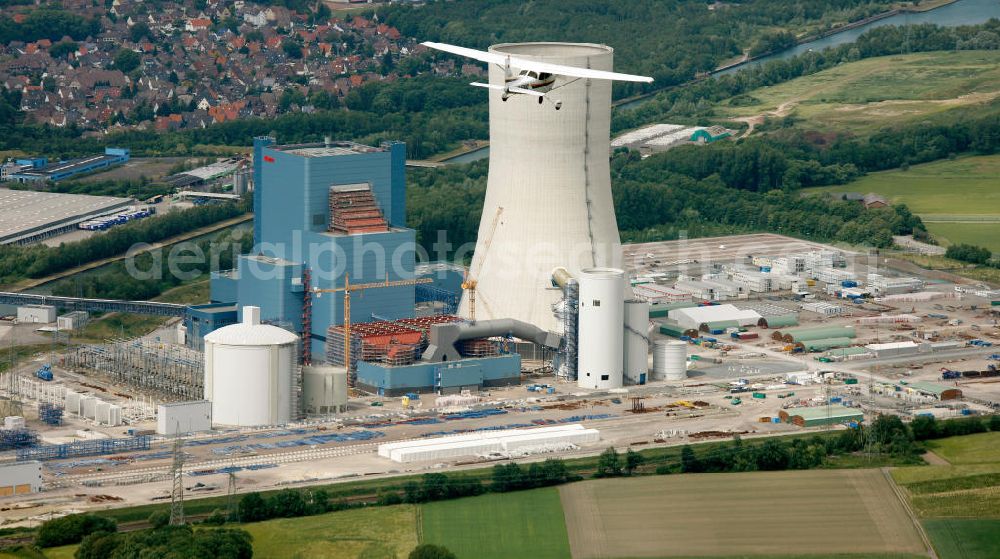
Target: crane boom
x=471, y=280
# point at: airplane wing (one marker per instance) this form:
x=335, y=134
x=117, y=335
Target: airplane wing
x=527, y=91
x=489, y=57
x=574, y=71
x=525, y=64
x=523, y=90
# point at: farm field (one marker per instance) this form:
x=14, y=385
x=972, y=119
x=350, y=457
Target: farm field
x=964, y=538
x=706, y=515
x=980, y=234
x=499, y=525
x=866, y=95
x=958, y=200
x=960, y=503
x=373, y=533
x=981, y=448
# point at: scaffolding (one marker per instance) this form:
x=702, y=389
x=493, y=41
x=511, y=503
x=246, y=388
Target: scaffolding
x=433, y=294
x=391, y=342
x=50, y=413
x=170, y=371
x=353, y=209
x=19, y=439
x=78, y=449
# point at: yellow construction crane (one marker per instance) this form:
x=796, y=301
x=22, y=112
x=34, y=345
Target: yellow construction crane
x=471, y=280
x=348, y=289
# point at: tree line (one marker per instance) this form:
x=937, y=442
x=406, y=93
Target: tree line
x=887, y=437
x=658, y=197
x=670, y=41
x=36, y=261
x=48, y=23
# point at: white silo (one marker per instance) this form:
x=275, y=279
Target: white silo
x=548, y=198
x=636, y=351
x=601, y=333
x=324, y=389
x=251, y=373
x=669, y=360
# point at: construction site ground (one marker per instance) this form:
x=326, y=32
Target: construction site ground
x=699, y=408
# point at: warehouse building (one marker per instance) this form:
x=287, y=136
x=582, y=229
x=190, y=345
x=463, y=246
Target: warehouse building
x=893, y=349
x=880, y=285
x=832, y=414
x=38, y=169
x=935, y=390
x=27, y=216
x=19, y=478
x=797, y=335
x=695, y=317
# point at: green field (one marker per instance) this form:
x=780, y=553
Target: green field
x=372, y=533
x=980, y=234
x=982, y=448
x=866, y=95
x=931, y=191
x=961, y=539
x=960, y=503
x=521, y=524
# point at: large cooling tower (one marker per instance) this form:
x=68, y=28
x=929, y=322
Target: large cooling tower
x=548, y=199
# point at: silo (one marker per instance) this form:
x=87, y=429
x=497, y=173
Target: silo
x=669, y=360
x=251, y=374
x=548, y=197
x=636, y=341
x=324, y=389
x=601, y=334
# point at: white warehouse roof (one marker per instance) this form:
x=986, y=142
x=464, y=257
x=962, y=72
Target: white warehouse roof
x=694, y=317
x=483, y=442
x=892, y=345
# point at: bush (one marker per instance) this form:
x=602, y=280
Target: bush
x=994, y=423
x=253, y=508
x=72, y=529
x=431, y=551
x=968, y=253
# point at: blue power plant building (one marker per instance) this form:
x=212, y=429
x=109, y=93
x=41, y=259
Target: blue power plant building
x=322, y=212
x=333, y=212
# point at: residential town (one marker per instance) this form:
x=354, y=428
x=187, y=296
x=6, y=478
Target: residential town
x=175, y=65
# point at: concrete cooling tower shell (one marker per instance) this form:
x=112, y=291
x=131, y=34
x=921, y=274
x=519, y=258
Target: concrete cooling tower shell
x=548, y=198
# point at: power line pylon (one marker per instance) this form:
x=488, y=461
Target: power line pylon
x=177, y=492
x=231, y=512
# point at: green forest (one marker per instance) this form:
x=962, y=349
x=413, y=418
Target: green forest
x=688, y=37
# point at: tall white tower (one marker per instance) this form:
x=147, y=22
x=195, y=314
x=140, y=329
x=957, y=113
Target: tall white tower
x=548, y=198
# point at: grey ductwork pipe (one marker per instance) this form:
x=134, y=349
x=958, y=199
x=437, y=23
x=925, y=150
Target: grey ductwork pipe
x=561, y=277
x=443, y=337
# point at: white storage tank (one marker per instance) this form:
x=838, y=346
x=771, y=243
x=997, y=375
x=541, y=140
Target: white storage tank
x=251, y=373
x=669, y=360
x=324, y=389
x=636, y=335
x=601, y=335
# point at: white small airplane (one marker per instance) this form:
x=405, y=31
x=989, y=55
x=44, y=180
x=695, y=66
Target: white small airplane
x=532, y=78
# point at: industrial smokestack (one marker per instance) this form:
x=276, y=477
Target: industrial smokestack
x=549, y=171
